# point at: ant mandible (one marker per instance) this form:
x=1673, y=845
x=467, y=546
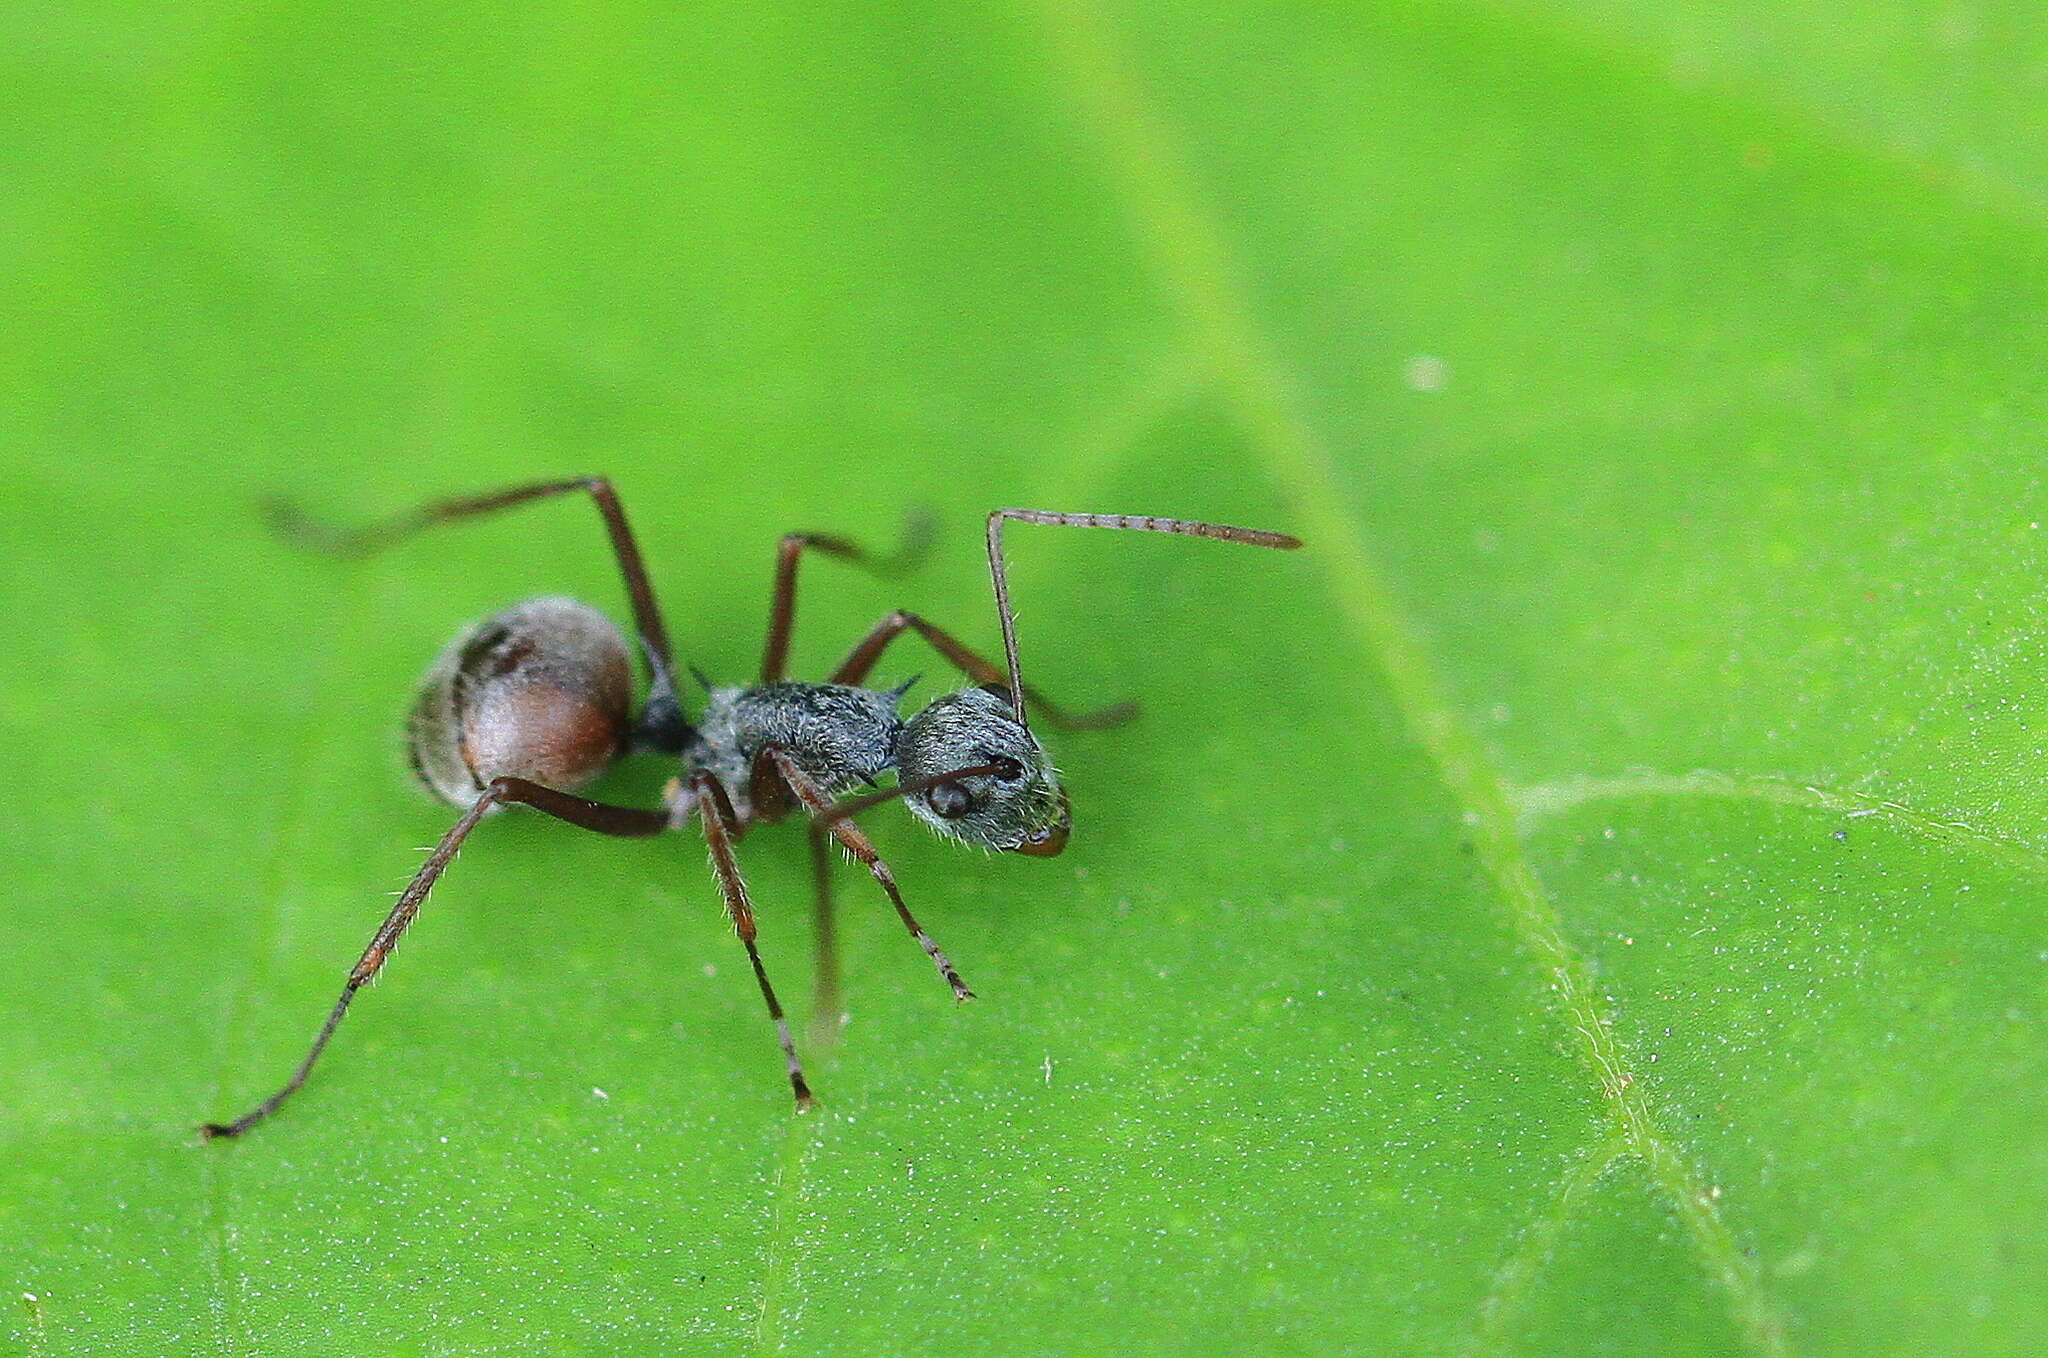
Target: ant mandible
x=538, y=699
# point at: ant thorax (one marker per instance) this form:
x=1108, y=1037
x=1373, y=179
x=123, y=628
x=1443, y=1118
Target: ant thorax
x=841, y=735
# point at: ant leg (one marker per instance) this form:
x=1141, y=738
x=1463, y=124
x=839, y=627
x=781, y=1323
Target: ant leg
x=829, y=1011
x=826, y=1010
x=714, y=812
x=860, y=846
x=598, y=816
x=861, y=660
x=300, y=527
x=782, y=607
x=1222, y=532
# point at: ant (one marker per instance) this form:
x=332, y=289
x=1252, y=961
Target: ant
x=538, y=699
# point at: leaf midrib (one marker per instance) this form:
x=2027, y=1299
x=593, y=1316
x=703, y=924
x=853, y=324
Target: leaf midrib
x=1147, y=170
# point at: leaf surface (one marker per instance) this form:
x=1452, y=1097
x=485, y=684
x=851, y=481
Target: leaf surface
x=1588, y=902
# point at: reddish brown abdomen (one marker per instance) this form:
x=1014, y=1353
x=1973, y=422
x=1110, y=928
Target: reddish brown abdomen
x=542, y=691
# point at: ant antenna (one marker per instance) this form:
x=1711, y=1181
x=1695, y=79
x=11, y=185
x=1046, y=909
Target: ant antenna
x=1142, y=523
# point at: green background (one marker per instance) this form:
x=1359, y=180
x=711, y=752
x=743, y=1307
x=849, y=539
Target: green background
x=1590, y=902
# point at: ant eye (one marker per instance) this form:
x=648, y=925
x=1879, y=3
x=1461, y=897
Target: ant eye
x=950, y=800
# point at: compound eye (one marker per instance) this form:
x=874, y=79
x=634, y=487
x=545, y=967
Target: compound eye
x=949, y=801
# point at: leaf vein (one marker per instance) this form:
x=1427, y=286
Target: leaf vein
x=1536, y=1245
x=1091, y=451
x=294, y=806
x=1539, y=802
x=793, y=1161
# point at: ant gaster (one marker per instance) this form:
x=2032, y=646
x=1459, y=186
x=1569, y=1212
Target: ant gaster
x=537, y=700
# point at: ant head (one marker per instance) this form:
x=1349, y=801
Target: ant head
x=1018, y=806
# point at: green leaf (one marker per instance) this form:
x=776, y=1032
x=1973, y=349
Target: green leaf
x=1586, y=903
